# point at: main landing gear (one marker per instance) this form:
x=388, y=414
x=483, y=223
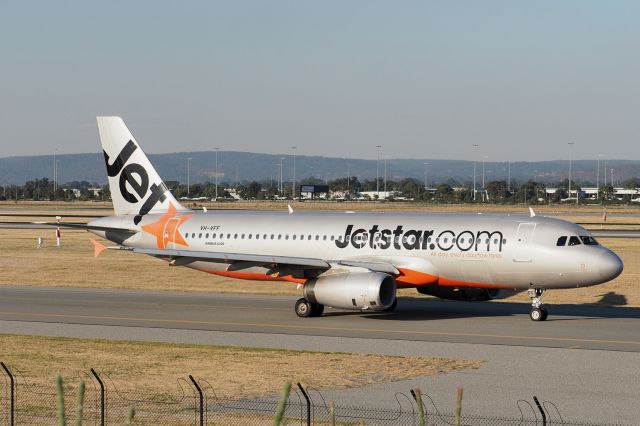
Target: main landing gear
x=305, y=309
x=538, y=312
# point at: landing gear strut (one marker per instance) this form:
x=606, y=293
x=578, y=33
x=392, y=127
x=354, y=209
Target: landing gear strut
x=538, y=312
x=305, y=309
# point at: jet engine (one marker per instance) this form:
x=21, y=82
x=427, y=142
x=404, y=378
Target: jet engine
x=353, y=290
x=465, y=293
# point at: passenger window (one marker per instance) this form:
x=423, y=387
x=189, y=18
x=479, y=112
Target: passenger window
x=574, y=241
x=286, y=237
x=251, y=235
x=324, y=238
x=295, y=236
x=213, y=236
x=588, y=241
x=561, y=241
x=332, y=237
x=200, y=235
x=265, y=236
x=504, y=241
x=257, y=236
x=228, y=236
x=235, y=236
x=279, y=236
x=317, y=237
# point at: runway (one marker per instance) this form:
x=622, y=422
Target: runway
x=583, y=359
x=494, y=323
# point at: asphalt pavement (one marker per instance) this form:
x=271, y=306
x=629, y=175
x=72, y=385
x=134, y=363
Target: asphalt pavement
x=584, y=359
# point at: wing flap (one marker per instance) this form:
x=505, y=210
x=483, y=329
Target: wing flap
x=236, y=257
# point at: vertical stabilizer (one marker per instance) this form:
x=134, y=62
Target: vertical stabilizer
x=135, y=185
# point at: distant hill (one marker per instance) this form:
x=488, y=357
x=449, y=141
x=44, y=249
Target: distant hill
x=262, y=167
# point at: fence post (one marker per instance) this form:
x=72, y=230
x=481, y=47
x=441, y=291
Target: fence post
x=99, y=380
x=200, y=397
x=544, y=416
x=12, y=393
x=304, y=393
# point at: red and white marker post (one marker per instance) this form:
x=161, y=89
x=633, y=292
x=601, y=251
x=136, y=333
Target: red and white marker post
x=58, y=231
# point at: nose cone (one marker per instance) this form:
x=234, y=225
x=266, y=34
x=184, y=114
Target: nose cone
x=609, y=265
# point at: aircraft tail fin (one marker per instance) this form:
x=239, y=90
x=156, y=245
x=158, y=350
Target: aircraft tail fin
x=136, y=187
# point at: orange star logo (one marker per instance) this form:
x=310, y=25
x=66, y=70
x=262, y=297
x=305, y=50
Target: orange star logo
x=166, y=228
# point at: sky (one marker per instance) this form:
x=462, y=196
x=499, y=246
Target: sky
x=423, y=79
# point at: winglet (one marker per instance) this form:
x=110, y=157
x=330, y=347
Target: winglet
x=531, y=212
x=290, y=208
x=98, y=247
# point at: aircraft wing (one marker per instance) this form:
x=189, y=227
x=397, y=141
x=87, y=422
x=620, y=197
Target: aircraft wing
x=235, y=257
x=228, y=257
x=65, y=225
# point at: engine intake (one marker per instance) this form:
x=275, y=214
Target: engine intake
x=361, y=290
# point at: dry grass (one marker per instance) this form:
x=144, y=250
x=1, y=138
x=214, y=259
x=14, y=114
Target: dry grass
x=152, y=368
x=73, y=264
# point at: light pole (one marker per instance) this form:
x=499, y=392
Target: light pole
x=426, y=168
x=611, y=177
x=55, y=172
x=348, y=179
x=475, y=145
x=188, y=175
x=216, y=149
x=570, y=152
x=281, y=159
x=385, y=176
x=484, y=157
x=598, y=178
x=294, y=172
x=378, y=172
x=509, y=176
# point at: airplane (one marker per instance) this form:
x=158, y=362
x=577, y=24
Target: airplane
x=346, y=260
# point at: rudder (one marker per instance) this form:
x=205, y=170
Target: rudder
x=136, y=187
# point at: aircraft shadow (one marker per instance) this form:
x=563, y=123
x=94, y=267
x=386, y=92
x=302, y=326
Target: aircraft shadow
x=417, y=309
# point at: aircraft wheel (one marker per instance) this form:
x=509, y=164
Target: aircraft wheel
x=545, y=313
x=537, y=314
x=316, y=309
x=304, y=308
x=393, y=306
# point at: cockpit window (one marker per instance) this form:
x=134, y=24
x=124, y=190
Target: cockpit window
x=562, y=241
x=574, y=241
x=588, y=241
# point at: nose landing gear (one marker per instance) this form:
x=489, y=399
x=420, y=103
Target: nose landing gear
x=538, y=312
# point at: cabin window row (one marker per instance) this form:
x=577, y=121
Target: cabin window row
x=357, y=238
x=236, y=236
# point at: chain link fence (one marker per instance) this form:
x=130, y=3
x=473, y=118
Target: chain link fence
x=194, y=402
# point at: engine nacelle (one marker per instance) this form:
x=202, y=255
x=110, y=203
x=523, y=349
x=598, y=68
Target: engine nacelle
x=464, y=293
x=359, y=290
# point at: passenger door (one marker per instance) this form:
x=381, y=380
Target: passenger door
x=524, y=238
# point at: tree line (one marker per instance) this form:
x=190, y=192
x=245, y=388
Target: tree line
x=496, y=191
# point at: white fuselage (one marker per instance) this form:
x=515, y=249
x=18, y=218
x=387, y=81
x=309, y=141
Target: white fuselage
x=445, y=249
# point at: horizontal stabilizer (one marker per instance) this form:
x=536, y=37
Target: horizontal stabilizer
x=98, y=247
